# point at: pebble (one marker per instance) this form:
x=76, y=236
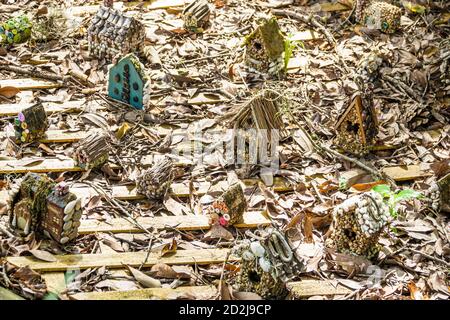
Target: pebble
x=64, y=240
x=67, y=225
x=70, y=207
x=68, y=217
x=78, y=204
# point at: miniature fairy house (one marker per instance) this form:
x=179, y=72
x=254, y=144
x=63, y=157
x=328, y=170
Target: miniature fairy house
x=358, y=223
x=15, y=30
x=37, y=204
x=196, y=15
x=265, y=47
x=62, y=218
x=27, y=201
x=266, y=265
x=357, y=127
x=155, y=182
x=92, y=151
x=114, y=34
x=127, y=82
x=230, y=207
x=30, y=124
x=377, y=14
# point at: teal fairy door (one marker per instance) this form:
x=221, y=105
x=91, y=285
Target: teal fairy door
x=127, y=81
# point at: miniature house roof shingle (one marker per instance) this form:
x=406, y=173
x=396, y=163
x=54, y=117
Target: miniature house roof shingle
x=357, y=126
x=127, y=82
x=113, y=33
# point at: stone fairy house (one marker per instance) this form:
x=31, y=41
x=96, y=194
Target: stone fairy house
x=114, y=34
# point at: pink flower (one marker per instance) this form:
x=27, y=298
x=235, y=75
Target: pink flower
x=21, y=117
x=223, y=222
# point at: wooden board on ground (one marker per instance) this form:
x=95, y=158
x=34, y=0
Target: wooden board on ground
x=309, y=287
x=38, y=165
x=6, y=294
x=56, y=282
x=405, y=173
x=58, y=136
x=29, y=84
x=118, y=260
x=199, y=292
x=149, y=5
x=252, y=219
x=12, y=109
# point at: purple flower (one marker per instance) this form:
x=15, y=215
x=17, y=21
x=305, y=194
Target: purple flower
x=21, y=117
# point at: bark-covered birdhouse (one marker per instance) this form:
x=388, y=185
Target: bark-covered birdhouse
x=196, y=16
x=357, y=127
x=15, y=30
x=264, y=48
x=266, y=265
x=92, y=151
x=114, y=34
x=62, y=218
x=377, y=14
x=127, y=82
x=27, y=202
x=31, y=124
x=358, y=223
x=155, y=182
x=229, y=209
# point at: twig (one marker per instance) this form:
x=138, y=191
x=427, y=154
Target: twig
x=32, y=73
x=430, y=257
x=4, y=231
x=308, y=20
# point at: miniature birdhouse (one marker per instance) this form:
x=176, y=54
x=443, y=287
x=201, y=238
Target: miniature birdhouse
x=31, y=124
x=62, y=218
x=92, y=151
x=229, y=209
x=127, y=82
x=114, y=34
x=266, y=264
x=357, y=127
x=155, y=182
x=358, y=223
x=196, y=15
x=377, y=14
x=444, y=189
x=27, y=201
x=265, y=46
x=15, y=30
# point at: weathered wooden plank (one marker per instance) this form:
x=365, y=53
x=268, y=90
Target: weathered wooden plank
x=42, y=165
x=149, y=5
x=200, y=188
x=118, y=260
x=404, y=173
x=13, y=109
x=252, y=219
x=29, y=84
x=6, y=294
x=56, y=282
x=310, y=287
x=199, y=292
x=58, y=136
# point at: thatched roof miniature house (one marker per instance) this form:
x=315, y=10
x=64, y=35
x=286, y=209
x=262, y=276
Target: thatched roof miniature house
x=357, y=127
x=196, y=15
x=127, y=82
x=112, y=33
x=265, y=47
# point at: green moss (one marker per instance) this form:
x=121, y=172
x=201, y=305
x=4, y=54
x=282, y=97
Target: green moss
x=273, y=39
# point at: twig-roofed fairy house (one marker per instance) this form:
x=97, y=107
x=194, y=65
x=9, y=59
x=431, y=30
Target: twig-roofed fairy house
x=357, y=127
x=92, y=151
x=128, y=82
x=37, y=204
x=113, y=34
x=196, y=15
x=265, y=47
